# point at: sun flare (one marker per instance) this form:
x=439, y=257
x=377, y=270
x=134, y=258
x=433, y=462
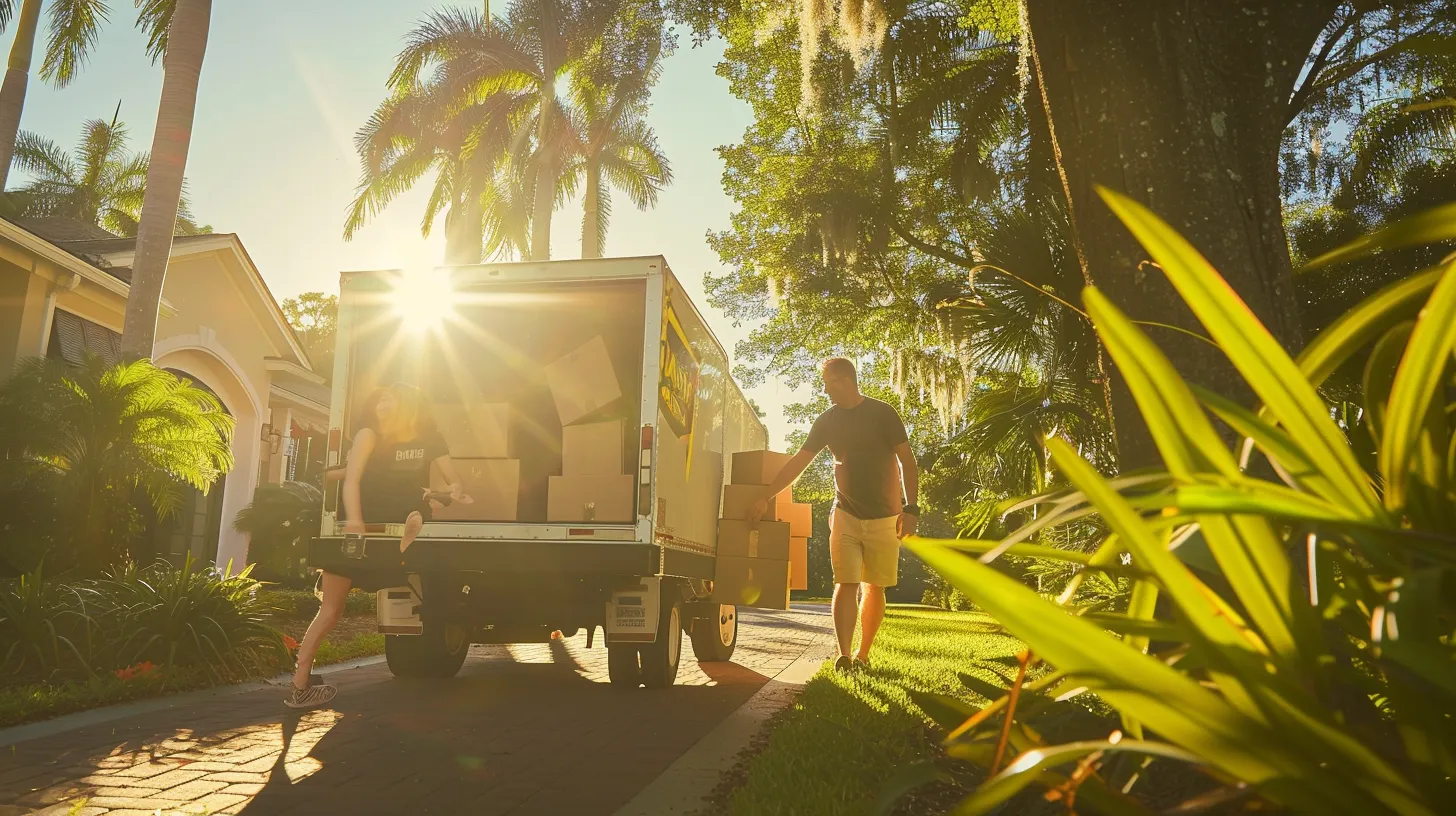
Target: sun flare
x=424, y=298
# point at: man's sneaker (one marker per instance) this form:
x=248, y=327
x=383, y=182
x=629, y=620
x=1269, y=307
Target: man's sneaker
x=311, y=697
x=843, y=664
x=862, y=663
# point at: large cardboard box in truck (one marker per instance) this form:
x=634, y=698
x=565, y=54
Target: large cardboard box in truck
x=547, y=363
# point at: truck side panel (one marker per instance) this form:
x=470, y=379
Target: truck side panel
x=702, y=420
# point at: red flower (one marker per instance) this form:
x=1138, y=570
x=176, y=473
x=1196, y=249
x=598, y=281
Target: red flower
x=139, y=670
x=290, y=643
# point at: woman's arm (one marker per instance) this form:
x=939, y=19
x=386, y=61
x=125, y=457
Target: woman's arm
x=452, y=478
x=358, y=459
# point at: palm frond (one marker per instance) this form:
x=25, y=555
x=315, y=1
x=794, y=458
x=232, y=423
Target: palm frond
x=74, y=28
x=43, y=158
x=155, y=18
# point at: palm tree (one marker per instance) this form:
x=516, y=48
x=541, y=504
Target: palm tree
x=539, y=43
x=97, y=434
x=73, y=31
x=417, y=131
x=180, y=39
x=101, y=183
x=616, y=146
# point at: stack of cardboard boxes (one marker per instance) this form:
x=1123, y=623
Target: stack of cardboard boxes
x=758, y=564
x=478, y=437
x=594, y=484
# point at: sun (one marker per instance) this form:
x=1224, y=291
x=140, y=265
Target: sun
x=424, y=298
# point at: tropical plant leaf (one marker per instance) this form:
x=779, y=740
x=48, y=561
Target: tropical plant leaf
x=1024, y=770
x=1364, y=323
x=1177, y=708
x=1252, y=350
x=1430, y=227
x=1422, y=371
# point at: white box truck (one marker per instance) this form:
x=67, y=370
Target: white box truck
x=513, y=359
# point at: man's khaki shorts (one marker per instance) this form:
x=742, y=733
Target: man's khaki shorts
x=864, y=551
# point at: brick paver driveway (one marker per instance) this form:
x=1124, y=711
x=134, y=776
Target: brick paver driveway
x=522, y=729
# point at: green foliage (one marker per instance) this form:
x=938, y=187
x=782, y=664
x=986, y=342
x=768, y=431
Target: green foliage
x=279, y=522
x=175, y=617
x=190, y=617
x=38, y=701
x=1310, y=659
x=101, y=183
x=297, y=604
x=314, y=318
x=97, y=438
x=476, y=102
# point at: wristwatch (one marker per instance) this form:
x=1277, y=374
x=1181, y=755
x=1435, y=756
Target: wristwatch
x=912, y=509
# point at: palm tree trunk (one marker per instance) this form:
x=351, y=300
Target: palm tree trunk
x=17, y=77
x=464, y=236
x=182, y=65
x=591, y=233
x=545, y=178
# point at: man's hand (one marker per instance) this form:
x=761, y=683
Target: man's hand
x=757, y=510
x=354, y=528
x=905, y=525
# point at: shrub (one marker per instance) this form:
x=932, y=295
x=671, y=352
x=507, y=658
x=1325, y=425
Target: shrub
x=1322, y=684
x=278, y=522
x=163, y=615
x=44, y=626
x=98, y=437
x=190, y=617
x=303, y=604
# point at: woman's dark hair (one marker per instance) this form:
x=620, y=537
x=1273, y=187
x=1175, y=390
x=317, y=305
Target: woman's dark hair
x=413, y=408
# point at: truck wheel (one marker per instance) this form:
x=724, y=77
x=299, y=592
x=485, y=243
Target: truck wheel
x=623, y=667
x=715, y=638
x=660, y=659
x=437, y=653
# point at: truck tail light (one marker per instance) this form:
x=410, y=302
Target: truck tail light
x=644, y=473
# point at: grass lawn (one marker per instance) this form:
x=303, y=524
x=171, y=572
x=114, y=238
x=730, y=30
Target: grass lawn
x=848, y=737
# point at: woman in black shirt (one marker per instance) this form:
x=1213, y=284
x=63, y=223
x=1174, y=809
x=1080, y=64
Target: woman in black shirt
x=387, y=481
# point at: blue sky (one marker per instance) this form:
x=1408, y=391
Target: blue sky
x=284, y=87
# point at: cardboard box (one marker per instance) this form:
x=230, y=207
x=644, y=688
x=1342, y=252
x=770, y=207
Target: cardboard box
x=759, y=582
x=592, y=450
x=799, y=516
x=757, y=467
x=769, y=539
x=494, y=484
x=583, y=381
x=606, y=499
x=798, y=563
x=481, y=430
x=738, y=498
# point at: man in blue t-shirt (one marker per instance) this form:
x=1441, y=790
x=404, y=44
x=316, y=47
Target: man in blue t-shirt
x=872, y=458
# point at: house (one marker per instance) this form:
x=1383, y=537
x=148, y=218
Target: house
x=63, y=288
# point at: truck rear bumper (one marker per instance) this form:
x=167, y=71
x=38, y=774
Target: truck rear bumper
x=381, y=557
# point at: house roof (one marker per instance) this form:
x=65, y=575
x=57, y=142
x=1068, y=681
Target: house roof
x=112, y=254
x=59, y=229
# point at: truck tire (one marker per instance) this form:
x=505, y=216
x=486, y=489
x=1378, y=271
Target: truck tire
x=660, y=660
x=623, y=666
x=715, y=638
x=437, y=653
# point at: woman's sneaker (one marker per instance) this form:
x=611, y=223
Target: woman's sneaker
x=311, y=697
